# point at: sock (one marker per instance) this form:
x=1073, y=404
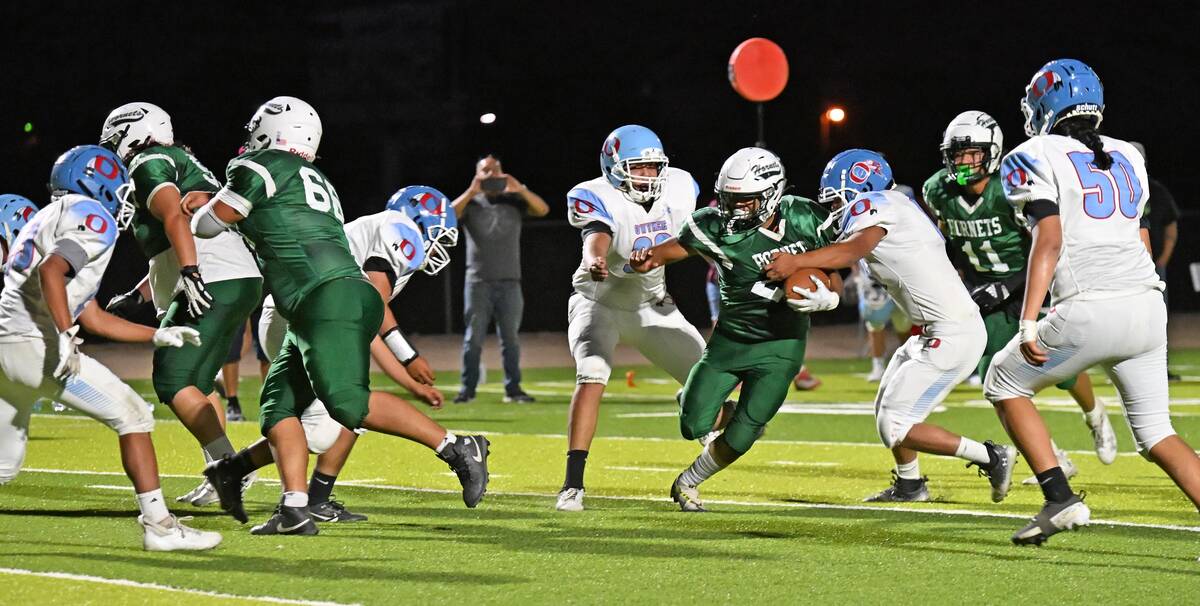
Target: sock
x=876, y=363
x=701, y=469
x=153, y=506
x=295, y=499
x=909, y=471
x=1095, y=416
x=1054, y=485
x=576, y=460
x=320, y=487
x=974, y=451
x=232, y=402
x=218, y=448
x=446, y=441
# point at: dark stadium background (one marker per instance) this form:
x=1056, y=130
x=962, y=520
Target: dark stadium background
x=400, y=87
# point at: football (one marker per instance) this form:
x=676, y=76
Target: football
x=804, y=279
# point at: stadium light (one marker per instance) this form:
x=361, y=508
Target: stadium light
x=833, y=115
x=836, y=114
x=487, y=118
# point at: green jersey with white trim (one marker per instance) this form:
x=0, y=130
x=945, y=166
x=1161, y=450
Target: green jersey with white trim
x=153, y=169
x=293, y=223
x=989, y=232
x=753, y=309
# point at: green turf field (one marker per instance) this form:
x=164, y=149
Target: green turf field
x=786, y=526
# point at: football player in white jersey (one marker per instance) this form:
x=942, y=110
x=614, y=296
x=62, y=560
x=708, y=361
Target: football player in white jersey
x=1085, y=195
x=51, y=281
x=637, y=201
x=411, y=235
x=905, y=251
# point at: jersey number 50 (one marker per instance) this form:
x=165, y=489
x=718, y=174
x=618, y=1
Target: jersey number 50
x=1105, y=190
x=320, y=194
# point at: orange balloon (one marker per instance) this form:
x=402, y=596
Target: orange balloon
x=758, y=69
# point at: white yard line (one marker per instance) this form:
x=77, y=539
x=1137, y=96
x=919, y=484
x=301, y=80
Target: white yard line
x=785, y=505
x=156, y=587
x=110, y=487
x=641, y=469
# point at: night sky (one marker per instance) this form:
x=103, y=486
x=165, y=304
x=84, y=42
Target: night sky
x=400, y=87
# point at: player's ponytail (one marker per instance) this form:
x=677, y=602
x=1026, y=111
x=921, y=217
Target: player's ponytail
x=1083, y=129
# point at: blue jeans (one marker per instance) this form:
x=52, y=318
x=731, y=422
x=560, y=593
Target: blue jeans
x=485, y=300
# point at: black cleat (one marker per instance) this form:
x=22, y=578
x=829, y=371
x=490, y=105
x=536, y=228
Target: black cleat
x=519, y=397
x=288, y=520
x=467, y=457
x=999, y=474
x=464, y=397
x=228, y=485
x=234, y=413
x=1053, y=519
x=901, y=491
x=334, y=511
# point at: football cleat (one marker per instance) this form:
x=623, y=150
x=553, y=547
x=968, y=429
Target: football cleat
x=902, y=491
x=1053, y=519
x=172, y=535
x=464, y=397
x=199, y=496
x=804, y=381
x=334, y=511
x=1064, y=463
x=876, y=374
x=467, y=457
x=287, y=520
x=570, y=499
x=519, y=398
x=228, y=486
x=688, y=497
x=1104, y=439
x=234, y=413
x=999, y=475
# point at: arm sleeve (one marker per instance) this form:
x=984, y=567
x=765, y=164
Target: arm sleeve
x=1026, y=177
x=596, y=227
x=585, y=207
x=85, y=232
x=150, y=173
x=382, y=266
x=246, y=182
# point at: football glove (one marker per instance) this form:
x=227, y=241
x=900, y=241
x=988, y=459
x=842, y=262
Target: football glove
x=198, y=299
x=991, y=295
x=818, y=299
x=68, y=354
x=125, y=306
x=176, y=336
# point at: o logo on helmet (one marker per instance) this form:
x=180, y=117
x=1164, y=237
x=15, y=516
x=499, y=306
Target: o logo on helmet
x=583, y=207
x=96, y=223
x=612, y=145
x=1043, y=82
x=26, y=213
x=106, y=166
x=430, y=203
x=861, y=171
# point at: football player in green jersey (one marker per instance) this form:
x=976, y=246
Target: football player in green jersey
x=989, y=243
x=760, y=334
x=211, y=286
x=291, y=215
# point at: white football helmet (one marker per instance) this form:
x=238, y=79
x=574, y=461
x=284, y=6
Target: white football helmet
x=751, y=174
x=135, y=126
x=285, y=123
x=972, y=130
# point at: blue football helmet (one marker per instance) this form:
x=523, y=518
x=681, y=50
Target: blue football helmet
x=628, y=145
x=95, y=172
x=848, y=174
x=15, y=212
x=430, y=209
x=1062, y=89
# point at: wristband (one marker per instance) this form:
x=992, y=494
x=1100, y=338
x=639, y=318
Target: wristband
x=1028, y=331
x=399, y=346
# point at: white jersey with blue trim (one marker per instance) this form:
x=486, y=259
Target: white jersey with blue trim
x=633, y=227
x=81, y=231
x=1100, y=211
x=911, y=259
x=392, y=236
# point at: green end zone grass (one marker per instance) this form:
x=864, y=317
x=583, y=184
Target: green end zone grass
x=787, y=522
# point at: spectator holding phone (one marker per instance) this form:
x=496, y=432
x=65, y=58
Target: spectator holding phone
x=490, y=212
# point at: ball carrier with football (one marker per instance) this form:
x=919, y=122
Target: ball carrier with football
x=762, y=327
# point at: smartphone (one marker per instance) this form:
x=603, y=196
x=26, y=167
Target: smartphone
x=494, y=185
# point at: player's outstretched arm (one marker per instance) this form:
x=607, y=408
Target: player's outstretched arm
x=213, y=219
x=1043, y=257
x=397, y=372
x=835, y=256
x=103, y=324
x=166, y=207
x=595, y=254
x=646, y=259
x=389, y=331
x=53, y=272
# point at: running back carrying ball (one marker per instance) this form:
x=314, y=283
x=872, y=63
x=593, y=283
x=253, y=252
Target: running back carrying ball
x=803, y=278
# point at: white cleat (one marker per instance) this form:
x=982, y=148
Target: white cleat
x=173, y=535
x=1064, y=462
x=1104, y=439
x=875, y=375
x=688, y=497
x=1053, y=519
x=205, y=495
x=570, y=499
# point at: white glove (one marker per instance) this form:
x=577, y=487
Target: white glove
x=176, y=336
x=819, y=299
x=194, y=290
x=68, y=354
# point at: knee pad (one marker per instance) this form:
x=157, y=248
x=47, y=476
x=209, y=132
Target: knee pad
x=892, y=431
x=321, y=433
x=1148, y=436
x=592, y=369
